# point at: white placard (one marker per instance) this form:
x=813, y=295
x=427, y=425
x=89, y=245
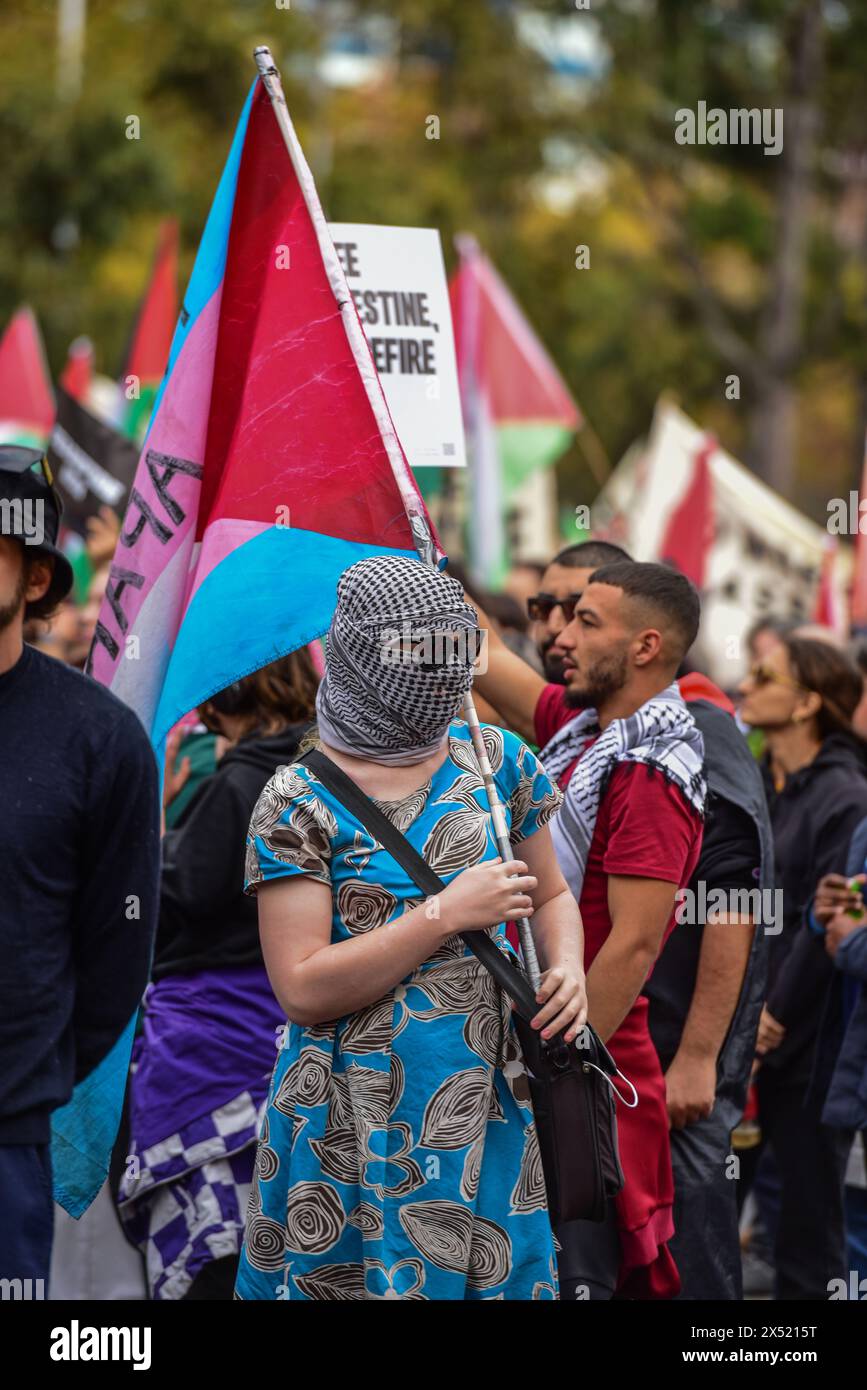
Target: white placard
x=398, y=281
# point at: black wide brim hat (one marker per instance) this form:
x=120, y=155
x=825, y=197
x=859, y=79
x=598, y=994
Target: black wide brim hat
x=25, y=476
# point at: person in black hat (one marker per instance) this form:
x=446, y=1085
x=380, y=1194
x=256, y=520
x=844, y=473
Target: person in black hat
x=79, y=867
x=30, y=511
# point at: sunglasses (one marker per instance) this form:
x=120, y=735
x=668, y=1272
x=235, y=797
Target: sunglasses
x=760, y=675
x=541, y=606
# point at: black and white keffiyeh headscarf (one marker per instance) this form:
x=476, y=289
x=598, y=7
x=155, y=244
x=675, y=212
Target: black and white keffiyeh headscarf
x=661, y=734
x=373, y=702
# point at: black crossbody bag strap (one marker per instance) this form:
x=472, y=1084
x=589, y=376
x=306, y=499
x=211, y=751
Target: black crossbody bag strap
x=571, y=1093
x=509, y=977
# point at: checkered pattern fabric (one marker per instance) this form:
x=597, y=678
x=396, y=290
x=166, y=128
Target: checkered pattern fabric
x=184, y=1201
x=373, y=702
x=661, y=734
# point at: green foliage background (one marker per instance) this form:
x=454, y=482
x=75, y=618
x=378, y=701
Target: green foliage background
x=683, y=242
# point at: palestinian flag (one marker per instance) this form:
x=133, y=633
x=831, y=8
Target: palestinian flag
x=152, y=337
x=26, y=397
x=518, y=412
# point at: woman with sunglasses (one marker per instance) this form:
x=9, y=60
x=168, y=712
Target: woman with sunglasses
x=802, y=696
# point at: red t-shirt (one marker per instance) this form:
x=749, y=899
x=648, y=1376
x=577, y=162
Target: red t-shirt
x=645, y=827
x=550, y=714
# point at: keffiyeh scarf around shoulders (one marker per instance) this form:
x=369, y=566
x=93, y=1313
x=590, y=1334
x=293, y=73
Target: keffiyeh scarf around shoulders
x=661, y=734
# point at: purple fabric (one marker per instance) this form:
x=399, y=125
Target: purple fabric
x=207, y=1038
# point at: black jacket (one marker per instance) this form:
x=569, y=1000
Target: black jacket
x=737, y=841
x=813, y=820
x=844, y=1039
x=79, y=869
x=206, y=921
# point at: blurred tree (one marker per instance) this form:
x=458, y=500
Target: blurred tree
x=704, y=260
x=758, y=267
x=82, y=201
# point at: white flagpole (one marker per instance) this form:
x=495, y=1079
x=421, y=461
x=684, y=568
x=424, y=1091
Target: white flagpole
x=416, y=515
x=71, y=28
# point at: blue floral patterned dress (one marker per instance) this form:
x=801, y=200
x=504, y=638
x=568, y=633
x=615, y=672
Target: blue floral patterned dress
x=398, y=1156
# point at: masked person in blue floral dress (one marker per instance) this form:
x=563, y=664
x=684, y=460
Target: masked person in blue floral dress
x=398, y=1156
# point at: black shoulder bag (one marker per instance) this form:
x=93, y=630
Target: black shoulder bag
x=570, y=1088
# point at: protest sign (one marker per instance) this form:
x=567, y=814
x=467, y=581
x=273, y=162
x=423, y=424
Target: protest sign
x=93, y=463
x=397, y=280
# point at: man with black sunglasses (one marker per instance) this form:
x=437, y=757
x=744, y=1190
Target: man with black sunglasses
x=553, y=607
x=705, y=991
x=79, y=866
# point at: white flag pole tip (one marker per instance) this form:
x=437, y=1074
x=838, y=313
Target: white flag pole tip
x=264, y=62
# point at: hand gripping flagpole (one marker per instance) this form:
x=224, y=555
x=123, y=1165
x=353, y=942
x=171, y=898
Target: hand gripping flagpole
x=421, y=532
x=501, y=831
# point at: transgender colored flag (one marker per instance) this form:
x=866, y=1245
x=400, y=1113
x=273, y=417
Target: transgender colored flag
x=271, y=462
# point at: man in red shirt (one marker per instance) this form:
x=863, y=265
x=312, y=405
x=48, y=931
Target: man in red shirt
x=628, y=837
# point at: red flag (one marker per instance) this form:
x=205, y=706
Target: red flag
x=826, y=610
x=690, y=532
x=26, y=397
x=152, y=337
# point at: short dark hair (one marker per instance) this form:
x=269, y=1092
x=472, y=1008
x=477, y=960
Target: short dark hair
x=587, y=554
x=661, y=588
x=506, y=611
x=45, y=607
x=539, y=566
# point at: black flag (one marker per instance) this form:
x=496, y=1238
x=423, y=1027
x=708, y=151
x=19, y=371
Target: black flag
x=93, y=463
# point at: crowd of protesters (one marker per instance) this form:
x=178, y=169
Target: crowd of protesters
x=391, y=1151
